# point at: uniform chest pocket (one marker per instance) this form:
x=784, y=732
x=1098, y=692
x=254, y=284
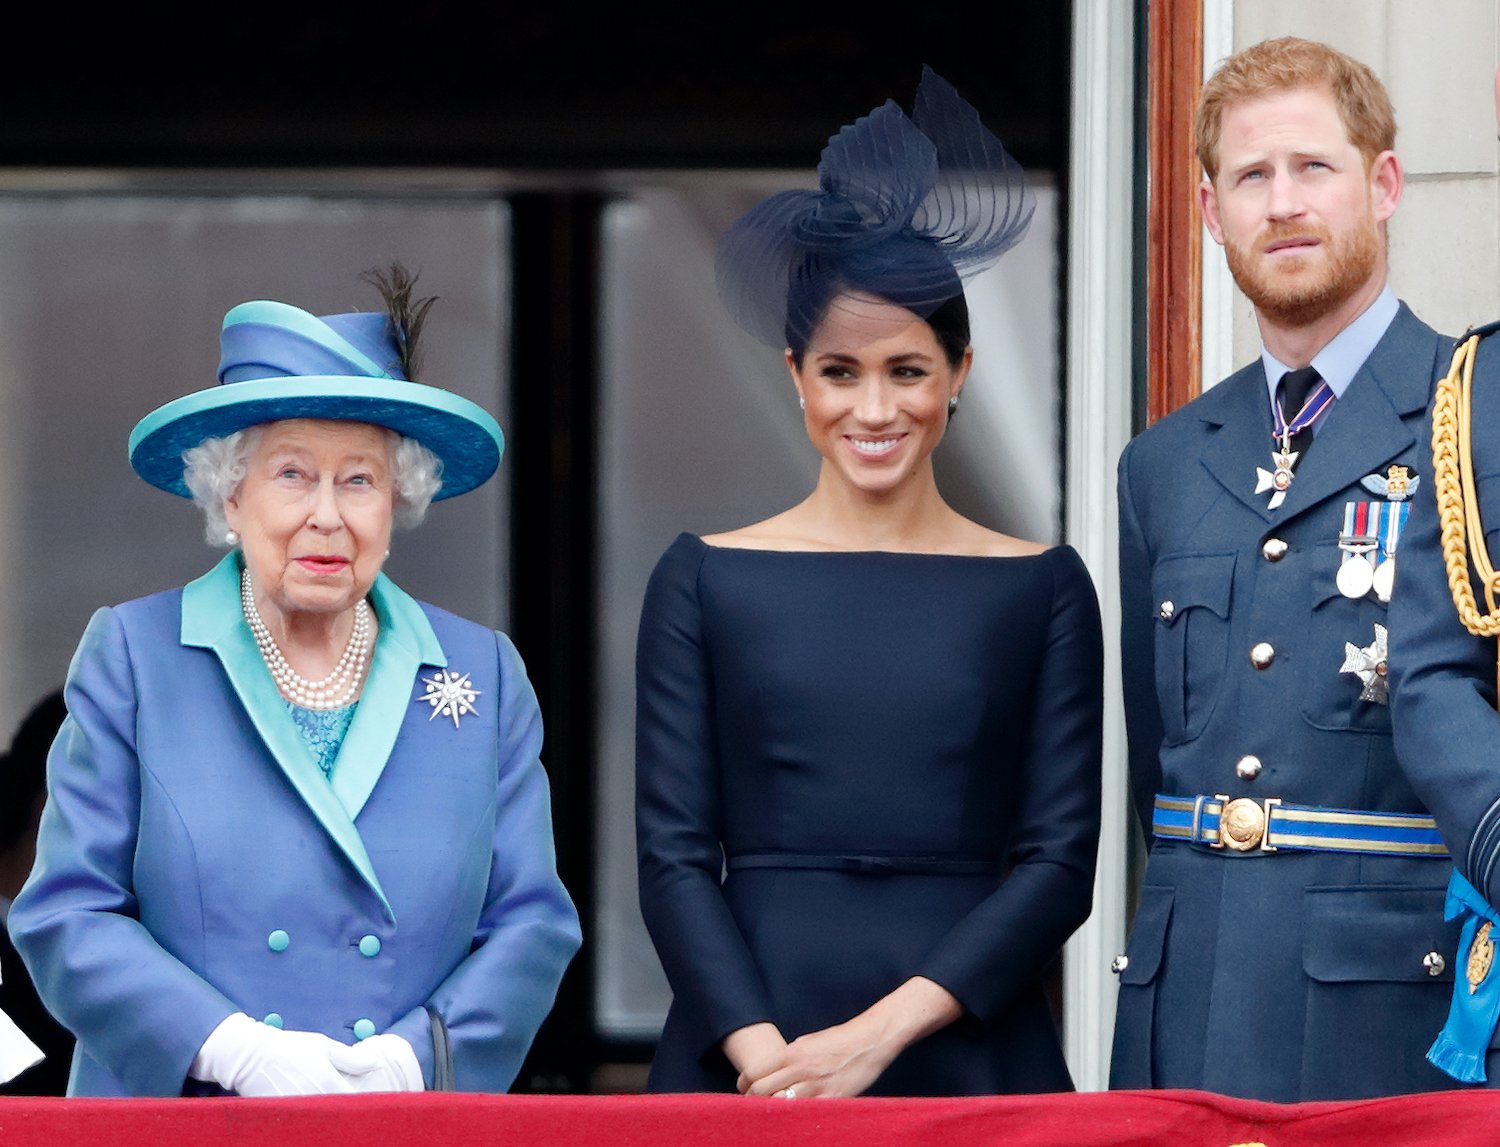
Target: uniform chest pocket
x=1191, y=595
x=1329, y=697
x=1487, y=490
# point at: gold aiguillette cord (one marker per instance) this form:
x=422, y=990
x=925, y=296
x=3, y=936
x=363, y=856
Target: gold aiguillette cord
x=1458, y=505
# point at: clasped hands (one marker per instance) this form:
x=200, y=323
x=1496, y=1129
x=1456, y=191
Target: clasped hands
x=255, y=1059
x=844, y=1059
x=837, y=1061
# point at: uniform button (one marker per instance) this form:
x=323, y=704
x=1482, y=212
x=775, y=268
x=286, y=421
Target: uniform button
x=1119, y=963
x=1262, y=654
x=273, y=1019
x=1247, y=768
x=278, y=941
x=1273, y=549
x=364, y=1029
x=1434, y=963
x=369, y=946
x=1166, y=610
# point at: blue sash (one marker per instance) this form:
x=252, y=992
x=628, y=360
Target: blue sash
x=1460, y=1047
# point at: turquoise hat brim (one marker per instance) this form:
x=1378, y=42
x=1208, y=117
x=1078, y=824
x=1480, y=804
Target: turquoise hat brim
x=461, y=433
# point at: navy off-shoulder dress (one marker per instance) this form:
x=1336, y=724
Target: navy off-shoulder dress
x=855, y=768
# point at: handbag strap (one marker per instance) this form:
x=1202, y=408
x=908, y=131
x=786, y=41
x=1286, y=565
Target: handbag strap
x=442, y=1054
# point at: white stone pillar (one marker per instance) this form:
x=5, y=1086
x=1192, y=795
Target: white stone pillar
x=1100, y=231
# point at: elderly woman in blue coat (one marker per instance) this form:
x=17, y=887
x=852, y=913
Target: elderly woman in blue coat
x=298, y=837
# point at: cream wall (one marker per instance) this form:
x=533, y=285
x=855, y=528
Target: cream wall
x=1437, y=59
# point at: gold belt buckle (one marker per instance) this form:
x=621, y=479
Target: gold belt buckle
x=1244, y=824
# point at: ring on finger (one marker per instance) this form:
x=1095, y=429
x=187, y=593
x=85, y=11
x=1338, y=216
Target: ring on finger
x=790, y=1093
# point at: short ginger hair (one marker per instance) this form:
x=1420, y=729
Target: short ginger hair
x=1288, y=64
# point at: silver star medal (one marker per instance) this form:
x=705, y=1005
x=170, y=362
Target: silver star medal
x=1368, y=664
x=1279, y=480
x=450, y=695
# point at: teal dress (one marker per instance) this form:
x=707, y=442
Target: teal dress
x=323, y=730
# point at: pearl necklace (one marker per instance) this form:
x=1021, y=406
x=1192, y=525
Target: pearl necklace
x=335, y=691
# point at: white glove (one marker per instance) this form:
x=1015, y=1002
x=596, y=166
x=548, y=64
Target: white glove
x=251, y=1058
x=383, y=1062
x=17, y=1053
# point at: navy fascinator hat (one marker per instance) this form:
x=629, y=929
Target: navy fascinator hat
x=907, y=208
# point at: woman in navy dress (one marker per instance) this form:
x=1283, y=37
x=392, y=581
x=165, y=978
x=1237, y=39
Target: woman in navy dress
x=868, y=729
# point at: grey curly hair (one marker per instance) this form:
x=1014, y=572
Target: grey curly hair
x=214, y=469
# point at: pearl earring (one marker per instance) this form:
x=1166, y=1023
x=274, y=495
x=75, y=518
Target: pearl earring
x=801, y=403
x=231, y=538
x=953, y=403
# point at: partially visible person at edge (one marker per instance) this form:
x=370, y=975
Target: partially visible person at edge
x=23, y=789
x=1443, y=675
x=1289, y=939
x=881, y=718
x=297, y=837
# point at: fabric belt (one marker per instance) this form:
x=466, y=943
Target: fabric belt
x=914, y=865
x=1244, y=824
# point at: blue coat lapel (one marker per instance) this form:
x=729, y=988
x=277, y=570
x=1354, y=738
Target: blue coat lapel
x=1365, y=429
x=1239, y=416
x=406, y=642
x=212, y=619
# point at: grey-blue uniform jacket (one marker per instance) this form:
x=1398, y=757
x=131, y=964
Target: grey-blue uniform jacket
x=1443, y=677
x=1286, y=975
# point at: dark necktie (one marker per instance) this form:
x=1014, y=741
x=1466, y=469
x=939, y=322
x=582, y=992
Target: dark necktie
x=1291, y=393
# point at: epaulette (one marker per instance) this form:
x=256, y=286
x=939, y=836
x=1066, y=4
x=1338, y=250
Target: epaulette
x=1482, y=331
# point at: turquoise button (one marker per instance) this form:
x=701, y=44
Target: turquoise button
x=273, y=1020
x=364, y=1029
x=369, y=946
x=278, y=940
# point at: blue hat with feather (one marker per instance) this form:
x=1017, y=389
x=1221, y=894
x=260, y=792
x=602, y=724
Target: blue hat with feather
x=278, y=361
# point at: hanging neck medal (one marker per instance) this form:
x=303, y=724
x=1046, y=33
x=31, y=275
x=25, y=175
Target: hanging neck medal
x=1279, y=480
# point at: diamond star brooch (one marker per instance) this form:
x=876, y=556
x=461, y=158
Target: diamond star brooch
x=450, y=695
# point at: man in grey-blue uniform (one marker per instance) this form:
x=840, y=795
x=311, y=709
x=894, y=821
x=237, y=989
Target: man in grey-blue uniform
x=1443, y=678
x=1289, y=942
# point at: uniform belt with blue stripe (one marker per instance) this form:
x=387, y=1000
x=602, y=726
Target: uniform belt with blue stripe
x=1244, y=824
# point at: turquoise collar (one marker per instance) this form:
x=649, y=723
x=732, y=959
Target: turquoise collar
x=212, y=619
